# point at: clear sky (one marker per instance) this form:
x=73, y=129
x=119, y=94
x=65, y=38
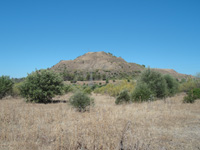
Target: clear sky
x=156, y=33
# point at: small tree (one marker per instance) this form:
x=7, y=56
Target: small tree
x=123, y=97
x=142, y=93
x=172, y=85
x=81, y=101
x=155, y=81
x=41, y=86
x=6, y=85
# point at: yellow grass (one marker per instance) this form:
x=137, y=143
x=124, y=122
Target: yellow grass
x=156, y=125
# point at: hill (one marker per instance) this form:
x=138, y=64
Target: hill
x=99, y=63
x=172, y=73
x=102, y=65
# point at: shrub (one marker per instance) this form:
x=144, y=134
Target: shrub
x=142, y=93
x=196, y=93
x=188, y=99
x=67, y=88
x=155, y=82
x=6, y=85
x=192, y=95
x=188, y=85
x=107, y=81
x=81, y=101
x=87, y=90
x=41, y=86
x=172, y=85
x=16, y=89
x=123, y=97
x=73, y=81
x=113, y=89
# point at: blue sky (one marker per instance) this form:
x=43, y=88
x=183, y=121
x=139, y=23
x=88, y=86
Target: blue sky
x=156, y=33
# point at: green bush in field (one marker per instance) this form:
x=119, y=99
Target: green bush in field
x=172, y=85
x=123, y=97
x=41, y=86
x=16, y=89
x=6, y=85
x=188, y=99
x=142, y=93
x=155, y=82
x=81, y=101
x=192, y=95
x=196, y=93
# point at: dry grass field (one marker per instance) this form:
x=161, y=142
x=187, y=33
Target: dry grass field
x=159, y=125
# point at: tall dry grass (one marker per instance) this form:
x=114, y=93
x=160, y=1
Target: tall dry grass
x=164, y=125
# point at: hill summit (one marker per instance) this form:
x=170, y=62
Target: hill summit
x=106, y=64
x=100, y=63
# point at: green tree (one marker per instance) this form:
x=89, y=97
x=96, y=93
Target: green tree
x=41, y=86
x=172, y=85
x=155, y=82
x=142, y=93
x=6, y=85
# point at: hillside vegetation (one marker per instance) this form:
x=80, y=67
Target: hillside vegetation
x=102, y=66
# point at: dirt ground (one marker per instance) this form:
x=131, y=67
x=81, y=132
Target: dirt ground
x=158, y=125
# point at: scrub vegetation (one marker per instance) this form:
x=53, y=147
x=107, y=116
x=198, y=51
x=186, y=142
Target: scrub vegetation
x=154, y=111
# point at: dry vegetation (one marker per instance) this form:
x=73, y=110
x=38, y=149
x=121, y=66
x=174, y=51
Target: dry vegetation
x=164, y=125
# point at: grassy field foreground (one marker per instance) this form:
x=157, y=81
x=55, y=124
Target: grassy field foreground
x=164, y=125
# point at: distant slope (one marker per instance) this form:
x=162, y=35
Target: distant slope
x=105, y=63
x=172, y=73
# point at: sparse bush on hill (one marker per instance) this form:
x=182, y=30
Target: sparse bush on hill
x=123, y=97
x=41, y=86
x=172, y=85
x=81, y=101
x=155, y=82
x=6, y=85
